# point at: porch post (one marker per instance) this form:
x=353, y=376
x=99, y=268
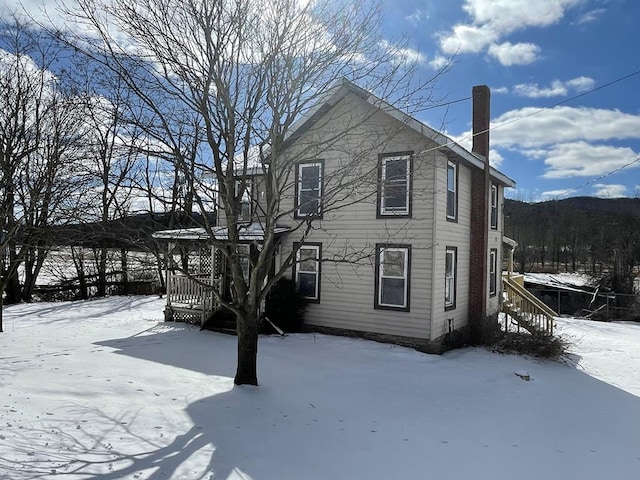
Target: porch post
x=168, y=316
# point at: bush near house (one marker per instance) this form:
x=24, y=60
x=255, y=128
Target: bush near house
x=284, y=306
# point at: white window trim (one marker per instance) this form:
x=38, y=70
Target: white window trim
x=454, y=167
x=299, y=270
x=395, y=211
x=450, y=302
x=299, y=213
x=405, y=277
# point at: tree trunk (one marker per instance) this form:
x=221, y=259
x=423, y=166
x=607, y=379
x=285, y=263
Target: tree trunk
x=125, y=271
x=102, y=273
x=246, y=373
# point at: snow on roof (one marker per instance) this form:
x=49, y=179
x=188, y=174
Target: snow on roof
x=254, y=231
x=566, y=281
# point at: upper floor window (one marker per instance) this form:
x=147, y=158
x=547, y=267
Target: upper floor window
x=494, y=207
x=243, y=190
x=493, y=271
x=393, y=264
x=450, y=280
x=394, y=192
x=452, y=191
x=309, y=189
x=307, y=271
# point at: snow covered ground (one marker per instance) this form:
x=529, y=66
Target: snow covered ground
x=104, y=389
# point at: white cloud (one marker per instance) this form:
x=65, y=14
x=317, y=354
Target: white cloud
x=590, y=16
x=491, y=20
x=499, y=90
x=581, y=84
x=571, y=141
x=582, y=159
x=609, y=191
x=556, y=89
x=439, y=62
x=40, y=10
x=532, y=90
x=402, y=55
x=555, y=193
x=416, y=17
x=514, y=54
x=532, y=127
x=505, y=16
x=467, y=39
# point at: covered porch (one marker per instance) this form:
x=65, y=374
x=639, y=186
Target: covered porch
x=196, y=270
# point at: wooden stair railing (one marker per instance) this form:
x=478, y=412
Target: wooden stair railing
x=526, y=309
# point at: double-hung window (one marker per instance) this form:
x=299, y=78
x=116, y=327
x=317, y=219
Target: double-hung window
x=243, y=191
x=450, y=274
x=393, y=264
x=452, y=191
x=307, y=271
x=394, y=192
x=309, y=189
x=493, y=271
x=494, y=207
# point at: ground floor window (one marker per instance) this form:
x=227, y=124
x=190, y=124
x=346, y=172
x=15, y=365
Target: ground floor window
x=450, y=274
x=393, y=263
x=493, y=271
x=307, y=271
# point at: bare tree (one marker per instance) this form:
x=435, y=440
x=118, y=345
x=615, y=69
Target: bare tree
x=39, y=125
x=245, y=71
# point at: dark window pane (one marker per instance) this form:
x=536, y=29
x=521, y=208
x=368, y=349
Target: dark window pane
x=451, y=178
x=309, y=202
x=307, y=284
x=393, y=263
x=396, y=169
x=395, y=197
x=307, y=260
x=310, y=177
x=451, y=204
x=392, y=291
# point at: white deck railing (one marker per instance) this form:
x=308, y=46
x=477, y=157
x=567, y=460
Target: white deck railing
x=191, y=294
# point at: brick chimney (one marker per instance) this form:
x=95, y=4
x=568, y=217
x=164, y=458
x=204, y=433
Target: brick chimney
x=481, y=116
x=480, y=189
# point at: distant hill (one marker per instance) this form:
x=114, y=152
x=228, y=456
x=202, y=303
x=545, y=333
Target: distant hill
x=621, y=206
x=600, y=236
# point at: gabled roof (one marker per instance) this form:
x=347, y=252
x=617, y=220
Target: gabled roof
x=342, y=87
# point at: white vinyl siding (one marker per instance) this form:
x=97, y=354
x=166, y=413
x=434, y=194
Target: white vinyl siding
x=353, y=227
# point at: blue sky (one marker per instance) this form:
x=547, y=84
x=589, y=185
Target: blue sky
x=534, y=54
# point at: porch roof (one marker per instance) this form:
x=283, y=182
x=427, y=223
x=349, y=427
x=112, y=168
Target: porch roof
x=253, y=231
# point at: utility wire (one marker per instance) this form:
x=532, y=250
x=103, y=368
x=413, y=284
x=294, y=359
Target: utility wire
x=447, y=103
x=540, y=110
x=597, y=179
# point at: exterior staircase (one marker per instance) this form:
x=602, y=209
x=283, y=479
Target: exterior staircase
x=525, y=309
